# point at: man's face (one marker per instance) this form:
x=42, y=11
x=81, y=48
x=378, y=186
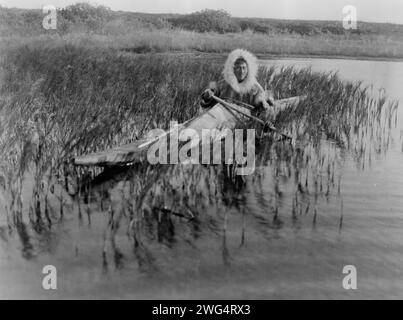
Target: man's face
x=241, y=71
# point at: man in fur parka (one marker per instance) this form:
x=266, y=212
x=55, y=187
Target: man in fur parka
x=239, y=83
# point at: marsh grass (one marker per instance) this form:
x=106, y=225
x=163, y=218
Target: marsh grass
x=176, y=40
x=58, y=102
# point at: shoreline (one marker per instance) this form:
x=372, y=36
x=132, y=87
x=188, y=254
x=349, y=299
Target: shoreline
x=269, y=56
x=327, y=57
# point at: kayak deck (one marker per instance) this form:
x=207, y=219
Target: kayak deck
x=217, y=117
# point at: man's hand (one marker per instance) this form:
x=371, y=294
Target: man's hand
x=207, y=95
x=206, y=99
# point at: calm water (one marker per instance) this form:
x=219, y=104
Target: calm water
x=258, y=256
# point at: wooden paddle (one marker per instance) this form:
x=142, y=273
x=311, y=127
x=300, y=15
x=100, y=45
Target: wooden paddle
x=267, y=124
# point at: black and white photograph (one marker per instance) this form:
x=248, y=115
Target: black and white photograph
x=190, y=150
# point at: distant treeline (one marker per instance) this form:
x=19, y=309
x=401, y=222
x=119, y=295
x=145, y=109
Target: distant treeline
x=84, y=17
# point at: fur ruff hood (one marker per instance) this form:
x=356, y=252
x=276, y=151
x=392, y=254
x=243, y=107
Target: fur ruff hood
x=228, y=72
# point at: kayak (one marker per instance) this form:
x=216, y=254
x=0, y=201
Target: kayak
x=218, y=117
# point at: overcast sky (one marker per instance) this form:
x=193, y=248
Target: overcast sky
x=367, y=10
